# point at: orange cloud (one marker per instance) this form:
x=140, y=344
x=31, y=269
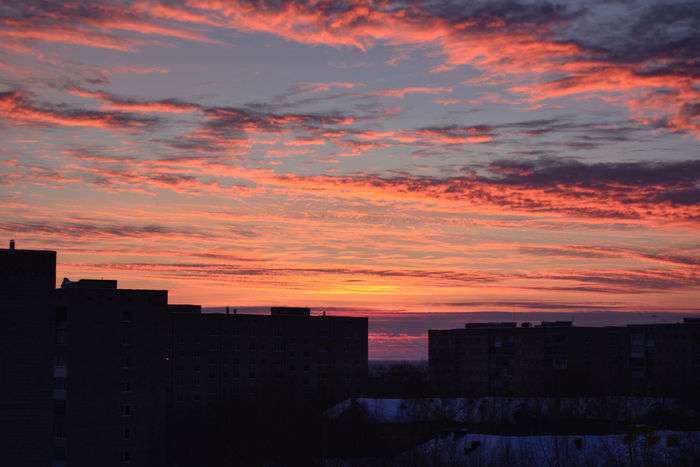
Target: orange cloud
x=111, y=102
x=14, y=107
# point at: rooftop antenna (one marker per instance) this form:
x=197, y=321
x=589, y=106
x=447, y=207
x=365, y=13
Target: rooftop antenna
x=12, y=244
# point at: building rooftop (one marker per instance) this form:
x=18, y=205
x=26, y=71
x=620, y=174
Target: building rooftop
x=491, y=325
x=289, y=311
x=89, y=284
x=181, y=308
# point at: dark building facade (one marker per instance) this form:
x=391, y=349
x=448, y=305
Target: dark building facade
x=110, y=349
x=27, y=280
x=559, y=359
x=96, y=375
x=217, y=356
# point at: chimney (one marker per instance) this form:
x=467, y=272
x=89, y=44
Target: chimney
x=228, y=310
x=12, y=244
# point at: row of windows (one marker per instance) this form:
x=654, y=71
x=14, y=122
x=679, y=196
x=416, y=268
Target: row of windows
x=251, y=389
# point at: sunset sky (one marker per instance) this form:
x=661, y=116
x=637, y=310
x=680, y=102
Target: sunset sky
x=369, y=157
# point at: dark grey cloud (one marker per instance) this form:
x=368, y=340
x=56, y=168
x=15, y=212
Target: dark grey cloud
x=15, y=106
x=91, y=230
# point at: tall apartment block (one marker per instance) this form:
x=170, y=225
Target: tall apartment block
x=110, y=348
x=559, y=359
x=94, y=375
x=27, y=280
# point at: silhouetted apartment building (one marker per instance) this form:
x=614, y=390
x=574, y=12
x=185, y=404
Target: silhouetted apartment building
x=217, y=356
x=110, y=373
x=94, y=375
x=27, y=280
x=559, y=359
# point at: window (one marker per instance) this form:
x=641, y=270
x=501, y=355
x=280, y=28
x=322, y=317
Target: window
x=560, y=362
x=125, y=455
x=126, y=433
x=126, y=316
x=126, y=361
x=59, y=427
x=60, y=336
x=126, y=410
x=126, y=339
x=60, y=361
x=126, y=386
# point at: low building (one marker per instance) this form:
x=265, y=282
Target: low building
x=559, y=359
x=218, y=356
